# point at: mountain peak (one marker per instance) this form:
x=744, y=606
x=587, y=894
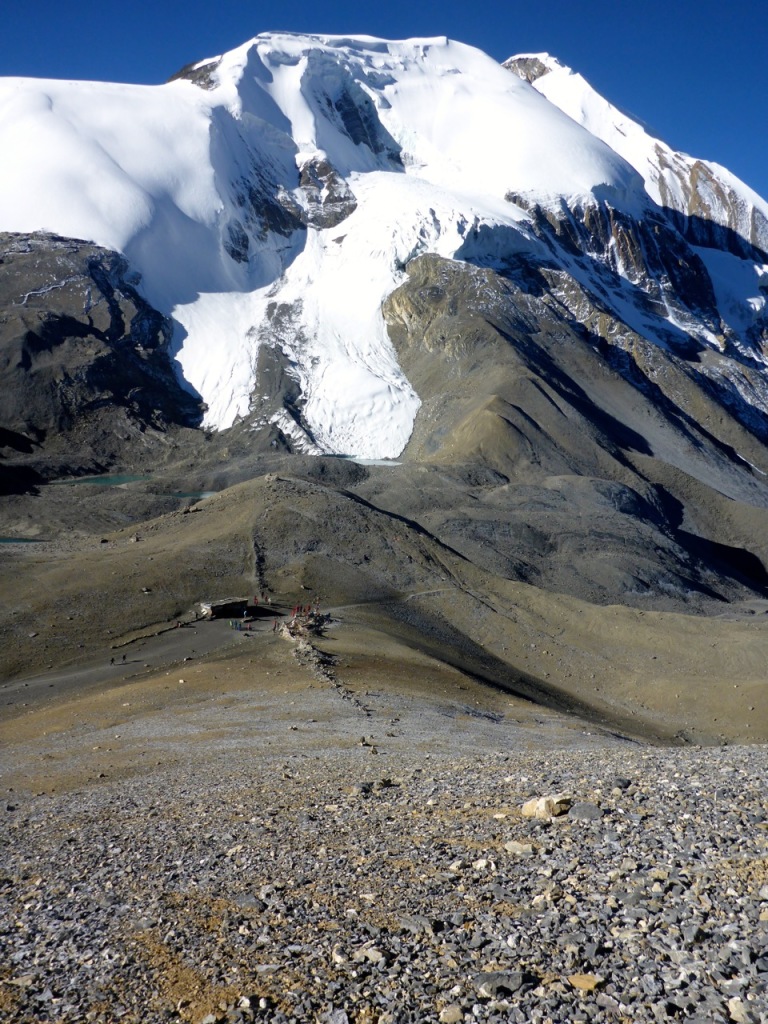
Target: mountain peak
x=532, y=66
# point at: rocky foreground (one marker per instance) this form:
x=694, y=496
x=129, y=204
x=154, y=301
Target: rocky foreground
x=351, y=888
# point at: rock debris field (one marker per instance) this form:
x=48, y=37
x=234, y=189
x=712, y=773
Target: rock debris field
x=343, y=888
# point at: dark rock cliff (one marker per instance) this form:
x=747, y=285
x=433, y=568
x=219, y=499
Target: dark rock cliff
x=85, y=360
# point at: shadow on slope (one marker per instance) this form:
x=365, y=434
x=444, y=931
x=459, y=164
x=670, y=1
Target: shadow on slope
x=432, y=634
x=512, y=385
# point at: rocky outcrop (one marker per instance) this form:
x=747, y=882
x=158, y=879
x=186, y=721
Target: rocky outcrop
x=707, y=210
x=200, y=73
x=648, y=253
x=323, y=199
x=328, y=198
x=528, y=67
x=85, y=360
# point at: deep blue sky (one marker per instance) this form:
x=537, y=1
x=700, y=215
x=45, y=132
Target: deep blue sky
x=692, y=70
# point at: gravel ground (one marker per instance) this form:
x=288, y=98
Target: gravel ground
x=341, y=887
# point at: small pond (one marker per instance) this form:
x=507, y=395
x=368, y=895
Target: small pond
x=100, y=481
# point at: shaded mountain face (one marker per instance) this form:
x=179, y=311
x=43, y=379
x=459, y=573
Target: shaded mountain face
x=84, y=359
x=327, y=246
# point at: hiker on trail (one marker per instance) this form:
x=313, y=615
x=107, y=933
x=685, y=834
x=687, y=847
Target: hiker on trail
x=123, y=658
x=111, y=661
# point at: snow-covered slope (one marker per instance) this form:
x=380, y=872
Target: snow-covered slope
x=692, y=187
x=272, y=198
x=723, y=219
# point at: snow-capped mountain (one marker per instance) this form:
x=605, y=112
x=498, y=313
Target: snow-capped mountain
x=273, y=198
x=722, y=218
x=705, y=194
x=554, y=322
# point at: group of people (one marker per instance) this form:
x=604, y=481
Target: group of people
x=303, y=610
x=239, y=625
